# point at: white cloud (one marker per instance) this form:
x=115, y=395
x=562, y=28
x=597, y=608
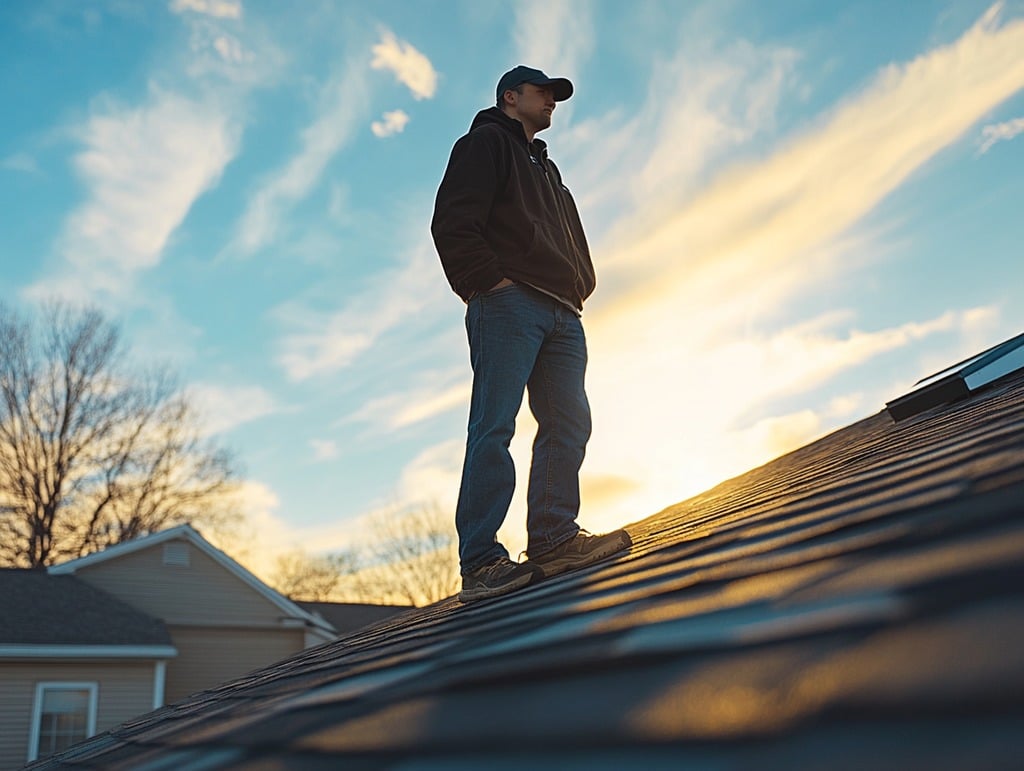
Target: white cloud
x=553, y=35
x=393, y=122
x=323, y=342
x=143, y=167
x=432, y=477
x=232, y=59
x=708, y=410
x=999, y=132
x=778, y=434
x=416, y=404
x=265, y=536
x=342, y=109
x=728, y=99
x=409, y=66
x=231, y=50
x=324, y=449
x=20, y=162
x=220, y=9
x=768, y=218
x=226, y=407
x=698, y=286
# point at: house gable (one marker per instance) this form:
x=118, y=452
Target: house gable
x=201, y=592
x=181, y=578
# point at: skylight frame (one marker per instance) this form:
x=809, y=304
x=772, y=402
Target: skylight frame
x=961, y=379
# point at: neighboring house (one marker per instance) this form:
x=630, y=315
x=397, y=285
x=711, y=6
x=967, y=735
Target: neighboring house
x=91, y=643
x=857, y=603
x=73, y=661
x=223, y=620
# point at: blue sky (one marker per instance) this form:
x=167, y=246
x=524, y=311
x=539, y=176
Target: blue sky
x=796, y=209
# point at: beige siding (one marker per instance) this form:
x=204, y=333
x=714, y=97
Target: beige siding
x=205, y=592
x=125, y=691
x=207, y=656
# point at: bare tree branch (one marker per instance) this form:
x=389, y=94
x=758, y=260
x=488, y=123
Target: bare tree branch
x=412, y=555
x=408, y=557
x=91, y=452
x=316, y=578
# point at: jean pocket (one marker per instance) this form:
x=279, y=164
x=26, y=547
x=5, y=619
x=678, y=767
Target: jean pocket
x=499, y=290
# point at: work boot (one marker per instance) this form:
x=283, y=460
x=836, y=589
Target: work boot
x=581, y=550
x=496, y=578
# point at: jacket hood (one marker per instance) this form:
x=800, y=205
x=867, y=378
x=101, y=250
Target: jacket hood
x=493, y=115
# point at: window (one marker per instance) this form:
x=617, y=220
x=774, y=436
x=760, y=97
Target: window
x=64, y=714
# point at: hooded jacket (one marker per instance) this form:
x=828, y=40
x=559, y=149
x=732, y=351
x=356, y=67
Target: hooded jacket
x=502, y=211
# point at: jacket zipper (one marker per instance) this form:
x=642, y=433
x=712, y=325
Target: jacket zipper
x=566, y=228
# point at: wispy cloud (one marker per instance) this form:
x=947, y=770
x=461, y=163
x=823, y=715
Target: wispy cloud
x=711, y=408
x=20, y=162
x=729, y=98
x=699, y=285
x=324, y=449
x=429, y=476
x=143, y=167
x=265, y=535
x=231, y=57
x=226, y=407
x=768, y=217
x=342, y=109
x=421, y=402
x=322, y=342
x=392, y=123
x=230, y=49
x=220, y=9
x=410, y=67
x=999, y=132
x=553, y=35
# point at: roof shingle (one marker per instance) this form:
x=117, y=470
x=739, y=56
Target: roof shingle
x=37, y=608
x=856, y=603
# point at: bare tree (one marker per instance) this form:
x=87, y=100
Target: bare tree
x=91, y=452
x=319, y=578
x=407, y=556
x=412, y=556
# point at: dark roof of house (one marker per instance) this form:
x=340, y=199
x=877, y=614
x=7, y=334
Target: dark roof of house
x=347, y=617
x=856, y=603
x=37, y=608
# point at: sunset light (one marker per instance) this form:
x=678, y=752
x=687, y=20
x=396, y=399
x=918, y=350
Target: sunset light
x=795, y=211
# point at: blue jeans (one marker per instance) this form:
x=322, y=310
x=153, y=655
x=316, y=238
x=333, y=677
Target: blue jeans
x=519, y=339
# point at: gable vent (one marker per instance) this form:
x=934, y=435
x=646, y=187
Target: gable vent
x=176, y=554
x=960, y=380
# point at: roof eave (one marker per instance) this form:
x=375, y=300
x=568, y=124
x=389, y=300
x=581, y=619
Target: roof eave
x=28, y=651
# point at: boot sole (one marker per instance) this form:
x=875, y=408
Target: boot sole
x=486, y=592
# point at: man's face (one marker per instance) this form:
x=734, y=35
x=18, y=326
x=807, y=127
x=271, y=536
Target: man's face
x=534, y=106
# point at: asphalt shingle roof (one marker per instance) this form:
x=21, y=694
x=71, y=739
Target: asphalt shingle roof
x=856, y=603
x=37, y=608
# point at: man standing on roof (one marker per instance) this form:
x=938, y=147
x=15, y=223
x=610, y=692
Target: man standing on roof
x=512, y=247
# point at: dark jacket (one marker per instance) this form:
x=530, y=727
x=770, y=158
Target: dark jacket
x=503, y=212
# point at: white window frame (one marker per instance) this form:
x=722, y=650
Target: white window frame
x=37, y=710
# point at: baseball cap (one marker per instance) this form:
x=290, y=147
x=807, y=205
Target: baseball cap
x=561, y=87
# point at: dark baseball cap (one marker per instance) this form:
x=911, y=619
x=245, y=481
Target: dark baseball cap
x=561, y=87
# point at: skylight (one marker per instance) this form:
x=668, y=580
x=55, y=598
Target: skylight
x=960, y=380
